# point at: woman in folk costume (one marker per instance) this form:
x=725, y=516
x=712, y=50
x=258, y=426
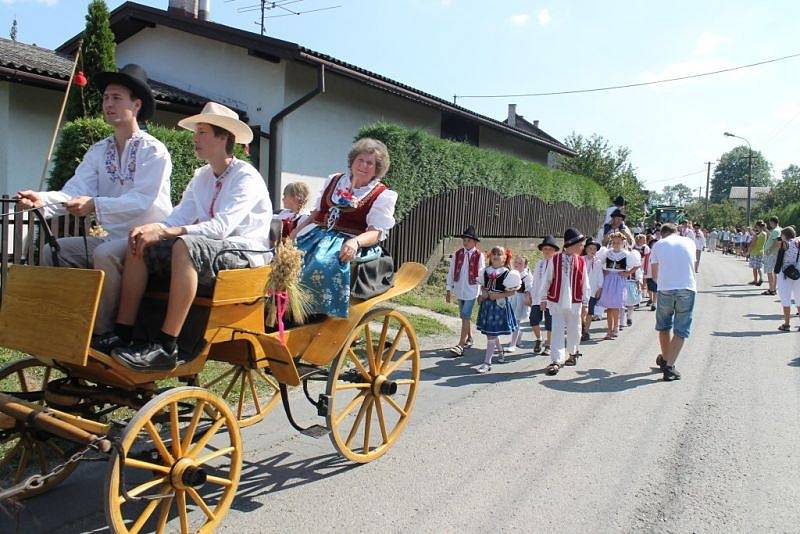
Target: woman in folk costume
x=496, y=316
x=616, y=264
x=353, y=215
x=463, y=283
x=565, y=290
x=521, y=301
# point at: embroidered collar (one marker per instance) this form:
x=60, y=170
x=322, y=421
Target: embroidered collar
x=114, y=164
x=345, y=198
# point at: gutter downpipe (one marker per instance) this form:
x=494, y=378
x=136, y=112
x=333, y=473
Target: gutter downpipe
x=274, y=126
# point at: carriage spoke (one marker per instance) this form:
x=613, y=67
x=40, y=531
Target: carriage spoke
x=162, y=449
x=141, y=488
x=145, y=515
x=182, y=512
x=23, y=463
x=23, y=382
x=253, y=391
x=201, y=444
x=396, y=406
x=175, y=430
x=357, y=422
x=219, y=378
x=367, y=425
x=56, y=448
x=147, y=466
x=242, y=393
x=357, y=362
x=356, y=385
x=198, y=412
x=212, y=455
x=387, y=357
x=219, y=481
x=398, y=362
x=382, y=339
x=370, y=350
x=232, y=383
x=405, y=382
x=349, y=408
x=163, y=514
x=46, y=378
x=201, y=503
x=381, y=420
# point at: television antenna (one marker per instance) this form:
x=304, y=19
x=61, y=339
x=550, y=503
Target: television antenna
x=279, y=7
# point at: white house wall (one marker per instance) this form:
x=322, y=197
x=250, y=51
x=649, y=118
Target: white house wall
x=219, y=71
x=27, y=118
x=317, y=136
x=495, y=140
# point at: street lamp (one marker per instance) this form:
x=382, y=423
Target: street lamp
x=749, y=170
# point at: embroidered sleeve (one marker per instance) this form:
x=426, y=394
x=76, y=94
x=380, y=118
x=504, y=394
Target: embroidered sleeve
x=381, y=214
x=153, y=171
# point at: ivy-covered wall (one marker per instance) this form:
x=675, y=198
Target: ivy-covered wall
x=424, y=166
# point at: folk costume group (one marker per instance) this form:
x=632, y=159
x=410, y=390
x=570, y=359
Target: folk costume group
x=222, y=222
x=566, y=289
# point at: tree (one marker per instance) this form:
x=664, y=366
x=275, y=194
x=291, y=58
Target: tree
x=723, y=214
x=673, y=195
x=732, y=171
x=608, y=166
x=785, y=192
x=97, y=55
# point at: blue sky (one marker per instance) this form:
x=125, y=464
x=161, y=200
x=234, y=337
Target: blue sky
x=449, y=47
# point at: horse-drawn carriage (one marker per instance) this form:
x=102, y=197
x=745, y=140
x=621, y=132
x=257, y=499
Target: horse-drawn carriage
x=172, y=438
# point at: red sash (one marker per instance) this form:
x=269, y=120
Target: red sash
x=576, y=278
x=473, y=265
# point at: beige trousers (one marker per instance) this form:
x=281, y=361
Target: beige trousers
x=105, y=255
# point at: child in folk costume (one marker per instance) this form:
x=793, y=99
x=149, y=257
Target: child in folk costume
x=565, y=290
x=595, y=268
x=521, y=301
x=633, y=296
x=496, y=316
x=295, y=196
x=647, y=272
x=548, y=247
x=616, y=263
x=463, y=282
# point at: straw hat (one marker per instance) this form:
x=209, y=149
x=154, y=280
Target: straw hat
x=219, y=115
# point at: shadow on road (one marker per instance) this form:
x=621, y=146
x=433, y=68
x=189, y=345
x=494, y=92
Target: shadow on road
x=794, y=363
x=758, y=317
x=602, y=381
x=754, y=333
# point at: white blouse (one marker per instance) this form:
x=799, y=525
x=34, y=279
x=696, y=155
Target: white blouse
x=381, y=214
x=512, y=280
x=241, y=211
x=128, y=191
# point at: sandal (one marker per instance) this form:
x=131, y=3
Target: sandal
x=784, y=328
x=768, y=292
x=552, y=369
x=572, y=360
x=608, y=337
x=457, y=351
x=468, y=344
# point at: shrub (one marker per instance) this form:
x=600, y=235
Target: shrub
x=77, y=136
x=424, y=166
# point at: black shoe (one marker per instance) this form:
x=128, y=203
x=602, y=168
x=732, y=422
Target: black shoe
x=537, y=346
x=670, y=374
x=652, y=307
x=147, y=357
x=107, y=342
x=630, y=322
x=585, y=336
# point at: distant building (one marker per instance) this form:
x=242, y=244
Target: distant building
x=738, y=195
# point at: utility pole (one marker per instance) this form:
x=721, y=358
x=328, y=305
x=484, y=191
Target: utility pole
x=749, y=180
x=708, y=181
x=263, y=9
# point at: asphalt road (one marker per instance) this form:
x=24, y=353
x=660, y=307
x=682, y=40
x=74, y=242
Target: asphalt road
x=606, y=446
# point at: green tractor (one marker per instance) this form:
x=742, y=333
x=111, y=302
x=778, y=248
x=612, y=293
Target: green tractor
x=666, y=214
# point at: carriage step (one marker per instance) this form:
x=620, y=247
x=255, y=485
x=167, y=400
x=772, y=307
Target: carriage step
x=315, y=431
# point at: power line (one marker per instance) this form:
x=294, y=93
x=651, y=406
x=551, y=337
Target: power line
x=675, y=177
x=639, y=84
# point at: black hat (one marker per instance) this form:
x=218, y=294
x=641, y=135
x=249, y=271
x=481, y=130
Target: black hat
x=470, y=233
x=590, y=241
x=617, y=213
x=134, y=78
x=572, y=236
x=619, y=201
x=549, y=241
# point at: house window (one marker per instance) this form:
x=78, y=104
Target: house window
x=458, y=128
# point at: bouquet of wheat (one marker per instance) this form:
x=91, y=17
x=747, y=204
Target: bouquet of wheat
x=286, y=296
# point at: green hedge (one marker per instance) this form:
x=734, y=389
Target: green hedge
x=789, y=215
x=78, y=135
x=424, y=165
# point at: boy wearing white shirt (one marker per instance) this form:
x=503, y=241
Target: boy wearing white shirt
x=548, y=247
x=222, y=222
x=463, y=282
x=123, y=179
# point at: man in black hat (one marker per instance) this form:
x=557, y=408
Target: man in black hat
x=617, y=224
x=122, y=182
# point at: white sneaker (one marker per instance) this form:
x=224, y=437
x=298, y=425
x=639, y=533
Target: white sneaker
x=483, y=368
x=510, y=348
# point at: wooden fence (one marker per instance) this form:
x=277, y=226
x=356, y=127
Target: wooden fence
x=493, y=215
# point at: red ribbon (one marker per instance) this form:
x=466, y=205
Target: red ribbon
x=281, y=299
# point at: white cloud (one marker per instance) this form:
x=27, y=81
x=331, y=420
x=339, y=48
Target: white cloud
x=708, y=43
x=519, y=20
x=447, y=3
x=544, y=16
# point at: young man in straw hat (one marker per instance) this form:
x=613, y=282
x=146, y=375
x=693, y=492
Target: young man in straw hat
x=123, y=180
x=222, y=222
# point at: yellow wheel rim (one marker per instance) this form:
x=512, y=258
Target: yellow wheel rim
x=372, y=386
x=194, y=466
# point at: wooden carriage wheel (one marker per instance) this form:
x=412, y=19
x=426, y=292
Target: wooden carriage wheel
x=189, y=477
x=23, y=454
x=249, y=391
x=372, y=386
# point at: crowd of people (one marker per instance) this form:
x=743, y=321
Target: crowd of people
x=572, y=285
